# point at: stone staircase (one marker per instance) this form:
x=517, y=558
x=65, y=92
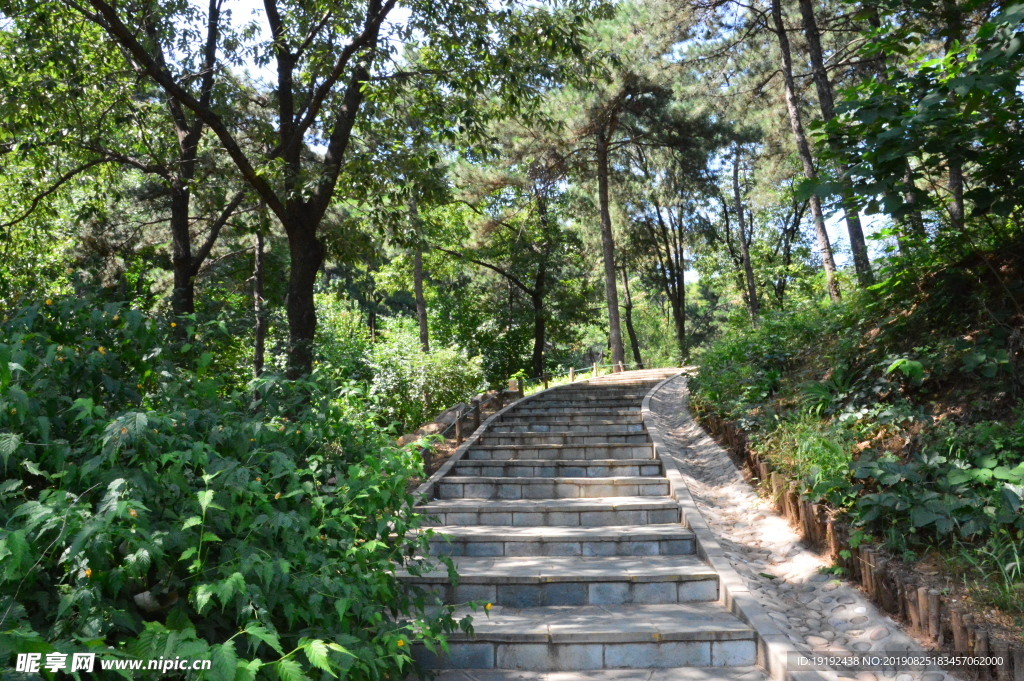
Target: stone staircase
x=559, y=517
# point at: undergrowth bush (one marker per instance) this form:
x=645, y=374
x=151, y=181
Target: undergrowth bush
x=894, y=406
x=410, y=386
x=150, y=509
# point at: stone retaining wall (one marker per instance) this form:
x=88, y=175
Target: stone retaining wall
x=927, y=613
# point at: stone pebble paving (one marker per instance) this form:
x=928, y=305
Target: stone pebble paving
x=818, y=611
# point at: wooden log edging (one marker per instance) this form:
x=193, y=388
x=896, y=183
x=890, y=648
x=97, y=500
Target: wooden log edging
x=896, y=589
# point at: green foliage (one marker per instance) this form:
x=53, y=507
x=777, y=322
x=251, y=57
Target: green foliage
x=851, y=399
x=410, y=386
x=152, y=510
x=344, y=341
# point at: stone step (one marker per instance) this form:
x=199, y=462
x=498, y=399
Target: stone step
x=621, y=540
x=466, y=487
x=592, y=392
x=568, y=638
x=515, y=418
x=596, y=411
x=529, y=582
x=744, y=673
x=563, y=426
x=607, y=450
x=584, y=401
x=563, y=438
x=560, y=468
x=600, y=511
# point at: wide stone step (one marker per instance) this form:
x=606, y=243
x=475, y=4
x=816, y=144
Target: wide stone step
x=594, y=402
x=560, y=426
x=530, y=582
x=466, y=487
x=620, y=540
x=597, y=411
x=568, y=638
x=601, y=511
x=562, y=468
x=744, y=673
x=607, y=450
x=592, y=393
x=564, y=438
x=632, y=418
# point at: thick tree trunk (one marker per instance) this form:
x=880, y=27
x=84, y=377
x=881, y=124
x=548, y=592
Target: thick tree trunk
x=753, y=305
x=858, y=245
x=804, y=151
x=183, y=296
x=628, y=307
x=259, y=352
x=421, y=304
x=608, y=251
x=307, y=254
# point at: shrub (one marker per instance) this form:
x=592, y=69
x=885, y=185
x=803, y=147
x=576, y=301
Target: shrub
x=343, y=341
x=410, y=386
x=151, y=511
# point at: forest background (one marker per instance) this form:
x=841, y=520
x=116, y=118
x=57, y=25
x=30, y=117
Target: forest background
x=244, y=248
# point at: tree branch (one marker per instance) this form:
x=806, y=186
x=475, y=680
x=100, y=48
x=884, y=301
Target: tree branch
x=38, y=198
x=211, y=238
x=111, y=23
x=508, y=275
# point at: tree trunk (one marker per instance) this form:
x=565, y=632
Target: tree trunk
x=307, y=254
x=628, y=307
x=858, y=245
x=608, y=250
x=259, y=352
x=753, y=305
x=183, y=296
x=804, y=151
x=421, y=304
x=538, y=333
x=956, y=191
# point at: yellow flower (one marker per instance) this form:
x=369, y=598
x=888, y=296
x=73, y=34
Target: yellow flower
x=124, y=431
x=487, y=607
x=400, y=643
x=14, y=411
x=252, y=439
x=259, y=479
x=173, y=324
x=102, y=350
x=133, y=513
x=277, y=496
x=117, y=317
x=88, y=573
x=49, y=302
x=281, y=429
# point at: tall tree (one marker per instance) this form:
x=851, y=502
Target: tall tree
x=753, y=305
x=826, y=101
x=326, y=63
x=803, y=148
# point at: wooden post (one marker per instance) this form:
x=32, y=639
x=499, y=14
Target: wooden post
x=959, y=632
x=933, y=615
x=981, y=650
x=545, y=377
x=475, y=405
x=1001, y=648
x=922, y=608
x=572, y=375
x=1018, y=663
x=458, y=427
x=595, y=370
x=621, y=368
